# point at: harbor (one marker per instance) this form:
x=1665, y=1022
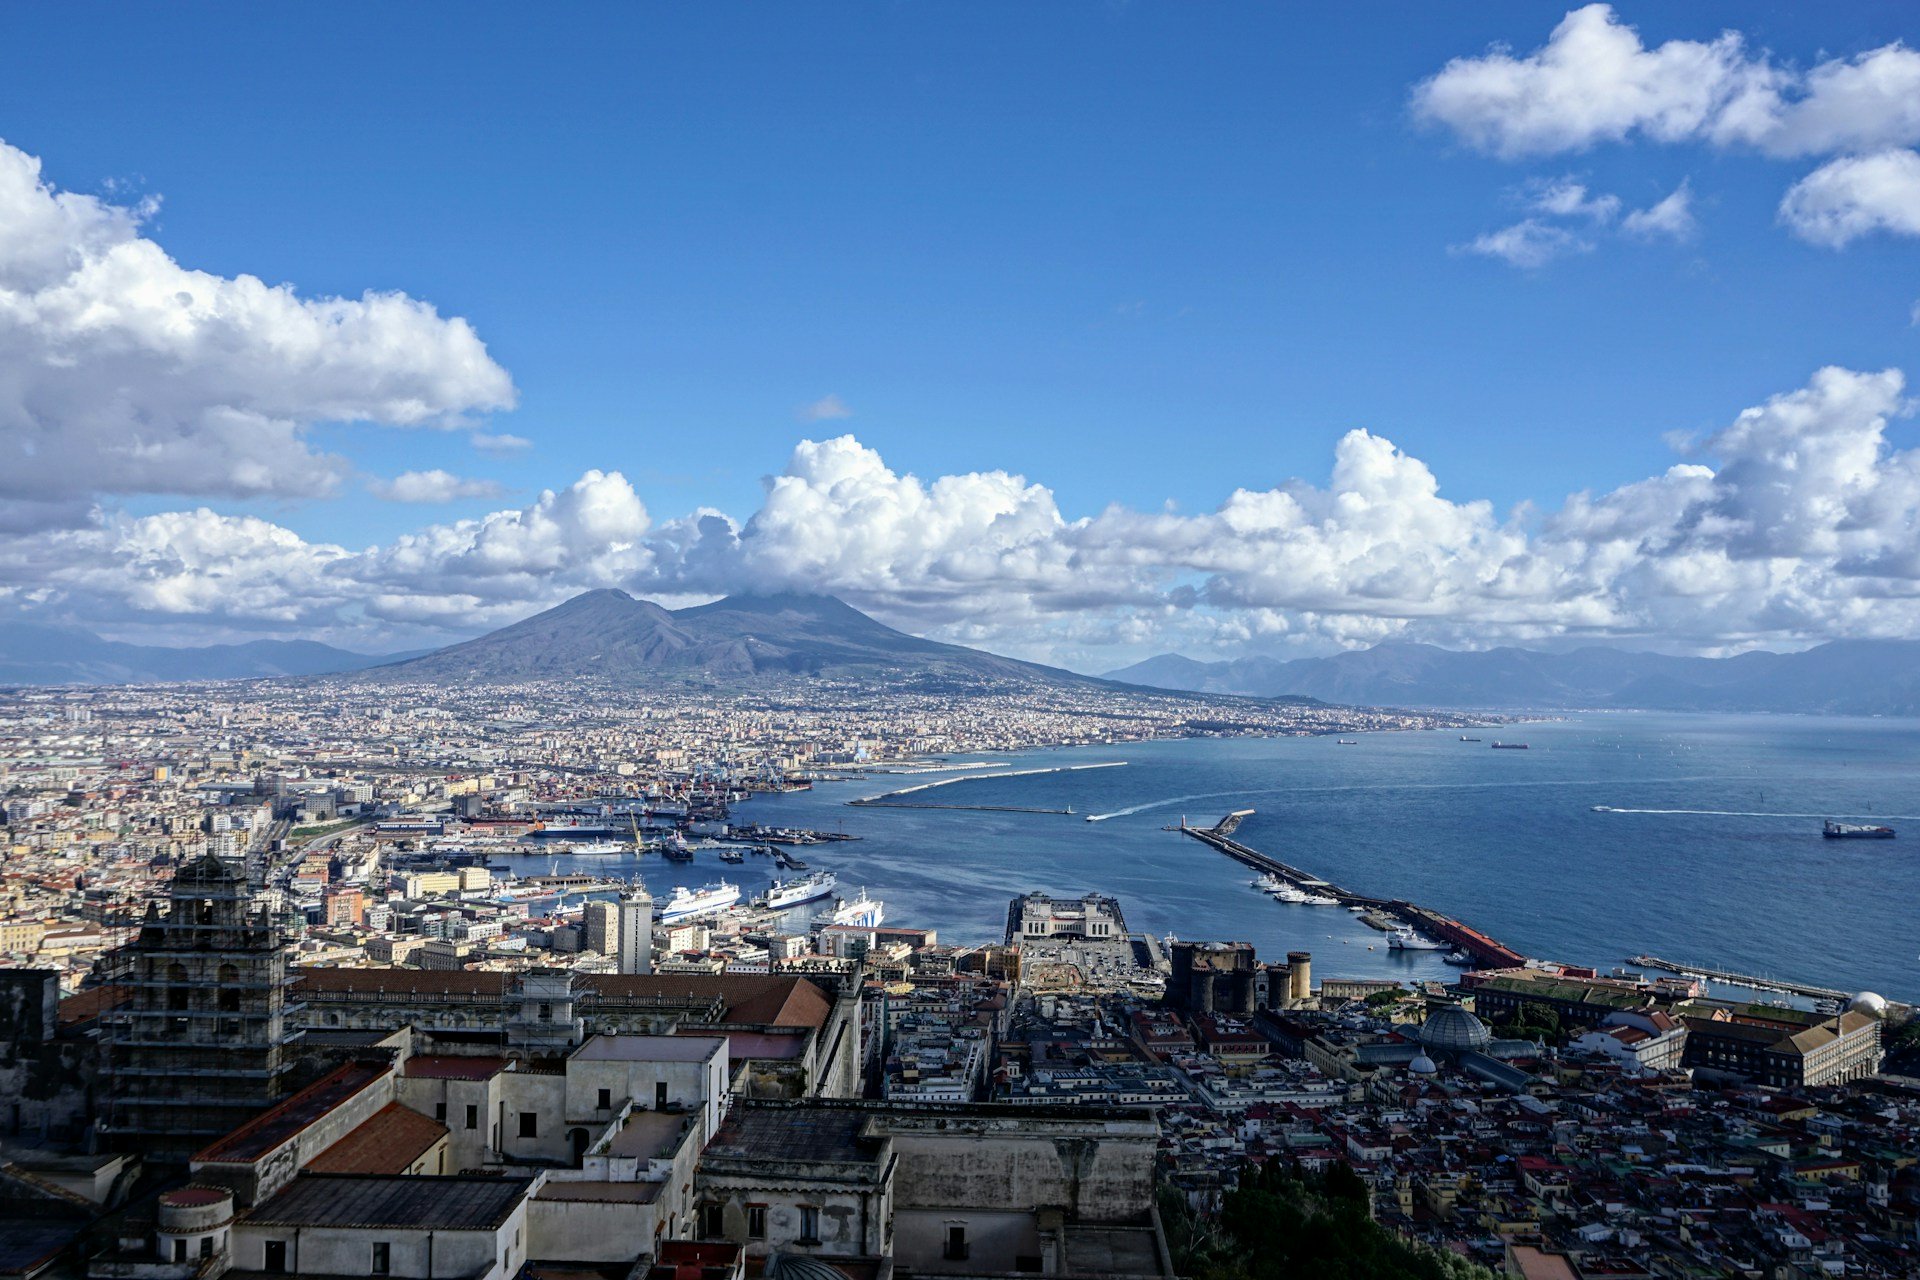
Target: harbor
x=1485, y=952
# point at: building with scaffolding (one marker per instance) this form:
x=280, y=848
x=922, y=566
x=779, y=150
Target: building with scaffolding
x=200, y=1040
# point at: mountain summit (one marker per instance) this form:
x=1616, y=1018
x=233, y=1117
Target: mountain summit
x=610, y=635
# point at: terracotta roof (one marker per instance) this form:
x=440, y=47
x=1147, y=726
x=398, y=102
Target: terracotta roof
x=84, y=1006
x=388, y=1142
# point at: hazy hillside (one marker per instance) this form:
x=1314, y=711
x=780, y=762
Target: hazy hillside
x=36, y=653
x=1852, y=677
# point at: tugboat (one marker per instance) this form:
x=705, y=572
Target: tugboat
x=1854, y=831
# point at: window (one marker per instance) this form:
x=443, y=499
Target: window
x=206, y=1246
x=756, y=1222
x=440, y=1112
x=276, y=1256
x=606, y=1100
x=546, y=1013
x=712, y=1221
x=956, y=1250
x=809, y=1225
x=473, y=1116
x=529, y=1124
x=382, y=1258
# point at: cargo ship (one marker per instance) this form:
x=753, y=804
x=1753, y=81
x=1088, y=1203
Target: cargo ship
x=782, y=894
x=1854, y=831
x=690, y=904
x=1509, y=746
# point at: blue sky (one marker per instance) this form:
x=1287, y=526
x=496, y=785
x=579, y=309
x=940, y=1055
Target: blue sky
x=1138, y=254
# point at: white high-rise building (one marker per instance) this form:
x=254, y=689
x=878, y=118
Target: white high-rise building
x=636, y=930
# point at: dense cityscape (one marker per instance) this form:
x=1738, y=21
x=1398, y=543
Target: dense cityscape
x=1111, y=641
x=255, y=948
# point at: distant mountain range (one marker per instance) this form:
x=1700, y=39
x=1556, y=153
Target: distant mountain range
x=609, y=635
x=38, y=653
x=1845, y=677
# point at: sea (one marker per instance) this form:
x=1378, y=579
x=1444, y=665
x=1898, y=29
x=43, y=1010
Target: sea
x=1693, y=838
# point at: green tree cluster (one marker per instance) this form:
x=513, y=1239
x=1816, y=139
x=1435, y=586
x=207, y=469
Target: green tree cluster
x=1286, y=1223
x=1533, y=1021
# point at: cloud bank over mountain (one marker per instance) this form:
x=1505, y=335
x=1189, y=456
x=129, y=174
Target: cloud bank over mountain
x=127, y=380
x=1796, y=521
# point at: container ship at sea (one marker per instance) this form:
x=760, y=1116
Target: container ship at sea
x=1855, y=831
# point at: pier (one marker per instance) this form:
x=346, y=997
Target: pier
x=973, y=808
x=1487, y=952
x=1739, y=979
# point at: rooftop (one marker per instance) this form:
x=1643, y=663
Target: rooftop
x=273, y=1129
x=379, y=1200
x=808, y=1136
x=626, y=1048
x=388, y=1142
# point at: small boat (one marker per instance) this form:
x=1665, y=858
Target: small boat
x=1347, y=742
x=733, y=856
x=1318, y=900
x=1458, y=958
x=1287, y=893
x=1603, y=808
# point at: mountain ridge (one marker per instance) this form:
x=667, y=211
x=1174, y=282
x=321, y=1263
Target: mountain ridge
x=37, y=653
x=1841, y=677
x=611, y=635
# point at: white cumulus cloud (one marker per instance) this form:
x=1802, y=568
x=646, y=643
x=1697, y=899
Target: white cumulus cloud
x=433, y=486
x=123, y=372
x=1797, y=520
x=1856, y=196
x=1528, y=244
x=1670, y=218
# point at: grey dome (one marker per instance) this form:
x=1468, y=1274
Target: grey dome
x=1451, y=1029
x=1423, y=1065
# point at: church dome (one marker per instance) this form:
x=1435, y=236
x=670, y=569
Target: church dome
x=1451, y=1029
x=1423, y=1065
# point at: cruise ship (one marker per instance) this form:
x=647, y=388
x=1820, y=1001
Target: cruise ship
x=782, y=894
x=862, y=912
x=689, y=904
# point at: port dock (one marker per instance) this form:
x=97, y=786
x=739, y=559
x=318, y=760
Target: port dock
x=1487, y=953
x=1739, y=979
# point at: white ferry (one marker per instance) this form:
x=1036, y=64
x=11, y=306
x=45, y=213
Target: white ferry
x=862, y=912
x=782, y=894
x=689, y=904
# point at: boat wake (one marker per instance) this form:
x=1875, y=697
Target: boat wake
x=1502, y=784
x=979, y=777
x=1157, y=804
x=1750, y=813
